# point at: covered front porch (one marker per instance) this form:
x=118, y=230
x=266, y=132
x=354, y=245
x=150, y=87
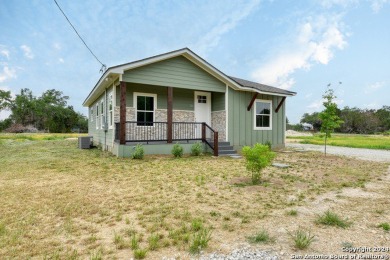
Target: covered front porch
x=141, y=123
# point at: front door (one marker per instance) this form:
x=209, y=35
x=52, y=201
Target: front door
x=202, y=109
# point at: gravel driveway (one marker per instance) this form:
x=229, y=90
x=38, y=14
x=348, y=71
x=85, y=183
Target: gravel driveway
x=360, y=153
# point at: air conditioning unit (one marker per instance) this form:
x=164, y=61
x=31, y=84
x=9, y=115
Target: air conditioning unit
x=85, y=142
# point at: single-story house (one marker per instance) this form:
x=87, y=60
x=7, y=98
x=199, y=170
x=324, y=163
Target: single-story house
x=180, y=97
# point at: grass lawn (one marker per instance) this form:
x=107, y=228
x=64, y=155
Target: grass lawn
x=60, y=202
x=347, y=140
x=37, y=137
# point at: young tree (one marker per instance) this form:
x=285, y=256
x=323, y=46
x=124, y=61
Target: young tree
x=330, y=119
x=257, y=158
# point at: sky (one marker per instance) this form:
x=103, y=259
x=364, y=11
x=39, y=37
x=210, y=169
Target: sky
x=302, y=46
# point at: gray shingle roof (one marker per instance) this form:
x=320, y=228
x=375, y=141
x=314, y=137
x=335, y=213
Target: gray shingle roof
x=261, y=87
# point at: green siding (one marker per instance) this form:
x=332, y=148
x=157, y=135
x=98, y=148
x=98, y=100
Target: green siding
x=217, y=101
x=176, y=72
x=183, y=99
x=241, y=126
x=99, y=136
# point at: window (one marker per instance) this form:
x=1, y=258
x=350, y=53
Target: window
x=110, y=120
x=102, y=114
x=91, y=114
x=202, y=99
x=145, y=105
x=97, y=116
x=263, y=115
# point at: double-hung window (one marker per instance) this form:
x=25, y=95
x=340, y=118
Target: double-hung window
x=97, y=116
x=110, y=115
x=263, y=115
x=102, y=114
x=91, y=114
x=145, y=106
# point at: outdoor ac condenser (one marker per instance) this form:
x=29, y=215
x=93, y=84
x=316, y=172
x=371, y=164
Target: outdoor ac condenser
x=85, y=142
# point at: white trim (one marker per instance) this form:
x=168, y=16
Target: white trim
x=113, y=113
x=270, y=115
x=227, y=113
x=91, y=113
x=110, y=112
x=97, y=114
x=135, y=95
x=208, y=96
x=102, y=116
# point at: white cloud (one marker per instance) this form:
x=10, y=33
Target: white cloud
x=7, y=73
x=373, y=87
x=315, y=42
x=61, y=60
x=4, y=51
x=27, y=51
x=343, y=3
x=376, y=5
x=212, y=38
x=57, y=46
x=309, y=95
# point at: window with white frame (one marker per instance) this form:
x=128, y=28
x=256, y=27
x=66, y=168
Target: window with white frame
x=263, y=115
x=110, y=114
x=97, y=116
x=91, y=114
x=102, y=114
x=145, y=105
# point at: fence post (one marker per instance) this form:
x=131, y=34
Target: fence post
x=203, y=132
x=215, y=143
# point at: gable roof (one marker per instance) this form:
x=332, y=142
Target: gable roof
x=262, y=87
x=235, y=83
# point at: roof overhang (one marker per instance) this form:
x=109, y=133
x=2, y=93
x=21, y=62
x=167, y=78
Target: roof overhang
x=115, y=72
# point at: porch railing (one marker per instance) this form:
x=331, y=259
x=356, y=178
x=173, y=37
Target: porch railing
x=147, y=132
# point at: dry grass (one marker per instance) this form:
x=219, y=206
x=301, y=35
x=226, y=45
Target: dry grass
x=59, y=201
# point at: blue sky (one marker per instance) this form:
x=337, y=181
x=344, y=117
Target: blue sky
x=297, y=45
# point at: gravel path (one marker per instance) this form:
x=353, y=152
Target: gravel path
x=360, y=153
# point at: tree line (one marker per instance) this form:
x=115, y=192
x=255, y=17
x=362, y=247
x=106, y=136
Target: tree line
x=48, y=112
x=355, y=120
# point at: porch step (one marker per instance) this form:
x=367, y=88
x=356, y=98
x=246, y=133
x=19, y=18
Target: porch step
x=225, y=149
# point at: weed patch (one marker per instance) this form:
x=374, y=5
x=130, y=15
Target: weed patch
x=330, y=218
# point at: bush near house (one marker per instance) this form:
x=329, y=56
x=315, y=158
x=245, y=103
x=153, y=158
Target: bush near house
x=177, y=151
x=257, y=158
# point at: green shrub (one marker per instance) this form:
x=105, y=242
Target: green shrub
x=292, y=212
x=119, y=241
x=261, y=237
x=196, y=149
x=138, y=152
x=257, y=158
x=153, y=242
x=385, y=226
x=302, y=239
x=200, y=240
x=177, y=151
x=196, y=224
x=134, y=242
x=332, y=219
x=268, y=143
x=140, y=253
